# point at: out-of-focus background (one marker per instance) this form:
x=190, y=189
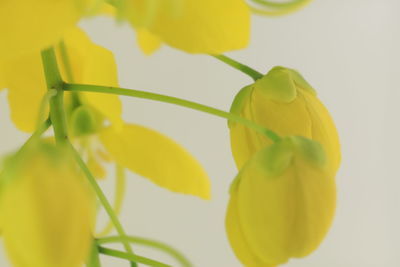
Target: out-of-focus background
x=348, y=50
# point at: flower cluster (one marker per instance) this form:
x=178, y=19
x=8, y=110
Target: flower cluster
x=281, y=203
x=283, y=200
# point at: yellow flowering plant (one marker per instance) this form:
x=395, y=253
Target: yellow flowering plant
x=283, y=199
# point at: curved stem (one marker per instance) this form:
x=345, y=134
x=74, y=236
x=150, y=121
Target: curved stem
x=37, y=134
x=102, y=198
x=283, y=10
x=173, y=100
x=274, y=4
x=239, y=66
x=150, y=243
x=58, y=119
x=132, y=258
x=118, y=198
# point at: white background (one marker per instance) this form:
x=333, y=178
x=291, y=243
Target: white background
x=348, y=50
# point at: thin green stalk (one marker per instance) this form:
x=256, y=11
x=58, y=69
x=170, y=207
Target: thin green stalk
x=36, y=135
x=58, y=119
x=287, y=4
x=94, y=259
x=119, y=195
x=283, y=9
x=132, y=258
x=39, y=131
x=66, y=62
x=172, y=100
x=54, y=82
x=150, y=243
x=239, y=66
x=102, y=198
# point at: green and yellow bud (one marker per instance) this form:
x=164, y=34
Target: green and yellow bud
x=284, y=102
x=85, y=121
x=47, y=209
x=281, y=204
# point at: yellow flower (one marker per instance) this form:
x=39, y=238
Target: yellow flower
x=95, y=119
x=285, y=103
x=47, y=209
x=281, y=203
x=90, y=63
x=206, y=26
x=32, y=25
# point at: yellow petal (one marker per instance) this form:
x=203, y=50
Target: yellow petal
x=157, y=158
x=304, y=116
x=2, y=80
x=27, y=26
x=324, y=130
x=148, y=42
x=206, y=26
x=285, y=214
x=25, y=94
x=95, y=167
x=237, y=239
x=107, y=9
x=47, y=211
x=93, y=64
x=89, y=63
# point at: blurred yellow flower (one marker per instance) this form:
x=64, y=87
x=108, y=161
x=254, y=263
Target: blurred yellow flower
x=281, y=204
x=32, y=25
x=47, y=209
x=137, y=148
x=284, y=102
x=88, y=63
x=206, y=26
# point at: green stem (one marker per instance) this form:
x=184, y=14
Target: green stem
x=150, y=243
x=58, y=119
x=36, y=135
x=94, y=259
x=39, y=131
x=288, y=4
x=172, y=100
x=118, y=197
x=102, y=198
x=66, y=62
x=279, y=9
x=239, y=66
x=132, y=258
x=54, y=82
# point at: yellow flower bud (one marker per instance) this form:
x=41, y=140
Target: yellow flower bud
x=282, y=203
x=285, y=103
x=47, y=209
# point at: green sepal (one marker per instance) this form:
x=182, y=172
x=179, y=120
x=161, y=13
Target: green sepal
x=271, y=161
x=278, y=85
x=310, y=150
x=239, y=101
x=276, y=158
x=301, y=82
